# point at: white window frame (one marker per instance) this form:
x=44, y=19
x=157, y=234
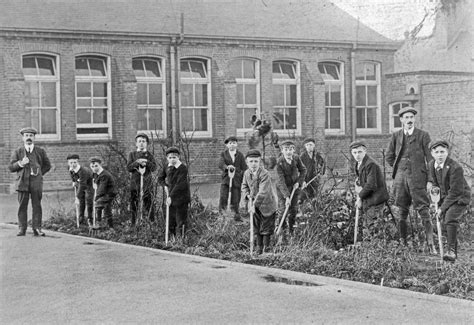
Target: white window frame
x=98, y=79
x=49, y=79
x=249, y=81
x=335, y=84
x=365, y=83
x=394, y=116
x=195, y=81
x=297, y=82
x=153, y=80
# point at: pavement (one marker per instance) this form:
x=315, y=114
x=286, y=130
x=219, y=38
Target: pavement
x=65, y=279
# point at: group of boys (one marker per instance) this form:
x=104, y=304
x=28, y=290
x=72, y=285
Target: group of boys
x=418, y=164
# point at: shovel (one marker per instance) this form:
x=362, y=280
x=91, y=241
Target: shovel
x=435, y=197
x=286, y=211
x=141, y=170
x=76, y=203
x=231, y=172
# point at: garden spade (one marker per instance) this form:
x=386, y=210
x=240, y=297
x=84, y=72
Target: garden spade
x=231, y=172
x=435, y=197
x=93, y=230
x=141, y=170
x=251, y=207
x=286, y=210
x=76, y=203
x=358, y=188
x=167, y=220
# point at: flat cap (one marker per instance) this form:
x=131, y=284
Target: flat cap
x=231, y=138
x=253, y=153
x=28, y=130
x=287, y=143
x=305, y=141
x=406, y=110
x=357, y=144
x=438, y=142
x=172, y=150
x=73, y=156
x=95, y=159
x=144, y=136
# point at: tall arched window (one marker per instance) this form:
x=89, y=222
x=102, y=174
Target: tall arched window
x=93, y=98
x=368, y=97
x=286, y=96
x=151, y=94
x=42, y=94
x=195, y=96
x=247, y=76
x=333, y=76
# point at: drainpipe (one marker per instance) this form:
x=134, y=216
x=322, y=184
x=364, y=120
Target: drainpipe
x=175, y=88
x=353, y=94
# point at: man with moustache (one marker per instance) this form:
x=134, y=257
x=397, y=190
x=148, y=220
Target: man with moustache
x=408, y=153
x=31, y=163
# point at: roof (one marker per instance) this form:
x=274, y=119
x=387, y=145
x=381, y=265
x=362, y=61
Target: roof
x=266, y=19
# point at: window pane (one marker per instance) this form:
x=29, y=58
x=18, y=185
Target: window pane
x=97, y=67
x=396, y=122
x=137, y=65
x=278, y=119
x=35, y=119
x=155, y=94
x=335, y=118
x=328, y=117
x=83, y=116
x=395, y=109
x=327, y=98
x=243, y=117
x=291, y=95
x=83, y=89
x=329, y=71
x=198, y=69
x=278, y=95
x=48, y=93
x=99, y=116
x=152, y=69
x=92, y=130
x=29, y=66
x=276, y=70
x=250, y=94
x=336, y=96
x=48, y=121
x=142, y=94
x=46, y=67
x=360, y=71
x=235, y=68
x=361, y=117
x=201, y=95
x=187, y=95
x=185, y=70
x=240, y=94
x=32, y=94
x=142, y=119
x=81, y=67
x=100, y=89
x=372, y=95
x=200, y=120
x=84, y=102
x=360, y=96
x=371, y=117
x=249, y=69
x=187, y=119
x=370, y=71
x=287, y=70
x=155, y=118
x=291, y=119
x=99, y=102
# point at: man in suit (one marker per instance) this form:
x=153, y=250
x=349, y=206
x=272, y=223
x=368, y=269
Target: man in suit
x=231, y=161
x=370, y=184
x=31, y=163
x=455, y=194
x=408, y=153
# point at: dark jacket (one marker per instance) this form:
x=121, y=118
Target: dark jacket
x=371, y=179
x=83, y=177
x=106, y=191
x=259, y=188
x=176, y=179
x=419, y=142
x=314, y=165
x=23, y=173
x=453, y=185
x=132, y=167
x=239, y=164
x=289, y=174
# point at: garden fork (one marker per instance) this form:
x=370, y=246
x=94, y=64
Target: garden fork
x=435, y=197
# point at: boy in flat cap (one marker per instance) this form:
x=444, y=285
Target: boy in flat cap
x=104, y=191
x=408, y=153
x=455, y=193
x=370, y=185
x=231, y=162
x=291, y=174
x=31, y=163
x=257, y=190
x=315, y=167
x=174, y=178
x=141, y=162
x=82, y=182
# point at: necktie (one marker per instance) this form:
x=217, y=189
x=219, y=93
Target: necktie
x=439, y=175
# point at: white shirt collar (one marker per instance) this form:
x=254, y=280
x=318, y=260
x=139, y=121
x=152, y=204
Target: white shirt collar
x=139, y=150
x=409, y=131
x=179, y=163
x=30, y=147
x=439, y=165
x=76, y=169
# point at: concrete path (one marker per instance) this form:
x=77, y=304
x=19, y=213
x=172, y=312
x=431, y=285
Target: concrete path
x=63, y=279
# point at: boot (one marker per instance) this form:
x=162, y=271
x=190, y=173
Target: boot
x=403, y=231
x=429, y=235
x=266, y=243
x=451, y=254
x=259, y=248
